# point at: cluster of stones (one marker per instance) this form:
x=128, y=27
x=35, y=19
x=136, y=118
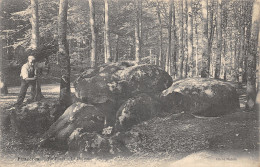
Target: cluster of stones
x=114, y=97
x=110, y=99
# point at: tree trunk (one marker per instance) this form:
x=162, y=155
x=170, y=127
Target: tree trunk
x=186, y=69
x=224, y=69
x=106, y=32
x=181, y=56
x=190, y=40
x=175, y=42
x=167, y=61
x=251, y=61
x=3, y=87
x=224, y=56
x=242, y=42
x=140, y=16
x=205, y=54
x=257, y=105
x=93, y=58
x=35, y=43
x=232, y=56
x=160, y=37
x=197, y=43
x=248, y=33
x=137, y=33
x=35, y=25
x=116, y=57
x=117, y=48
x=64, y=59
x=219, y=40
x=236, y=62
x=210, y=38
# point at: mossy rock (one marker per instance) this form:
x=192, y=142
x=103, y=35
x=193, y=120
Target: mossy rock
x=32, y=118
x=135, y=110
x=78, y=116
x=201, y=96
x=117, y=81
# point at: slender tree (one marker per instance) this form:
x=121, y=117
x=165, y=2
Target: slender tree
x=197, y=48
x=211, y=35
x=35, y=25
x=35, y=42
x=175, y=42
x=219, y=40
x=249, y=5
x=232, y=56
x=257, y=103
x=117, y=48
x=140, y=17
x=93, y=58
x=3, y=87
x=224, y=56
x=167, y=63
x=181, y=55
x=137, y=33
x=205, y=55
x=116, y=57
x=186, y=69
x=242, y=41
x=190, y=37
x=64, y=59
x=161, y=34
x=251, y=61
x=106, y=39
x=237, y=61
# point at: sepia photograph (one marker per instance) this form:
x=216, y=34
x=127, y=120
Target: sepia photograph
x=133, y=83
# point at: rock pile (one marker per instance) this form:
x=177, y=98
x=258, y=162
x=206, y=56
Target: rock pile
x=116, y=95
x=113, y=98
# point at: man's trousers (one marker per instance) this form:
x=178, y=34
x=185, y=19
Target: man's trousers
x=24, y=86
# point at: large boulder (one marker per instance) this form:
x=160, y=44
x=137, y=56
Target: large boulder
x=32, y=117
x=97, y=85
x=136, y=110
x=79, y=115
x=145, y=79
x=120, y=81
x=201, y=96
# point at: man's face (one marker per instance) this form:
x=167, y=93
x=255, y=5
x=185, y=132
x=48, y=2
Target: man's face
x=31, y=62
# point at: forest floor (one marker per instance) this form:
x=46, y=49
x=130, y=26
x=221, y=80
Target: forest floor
x=234, y=148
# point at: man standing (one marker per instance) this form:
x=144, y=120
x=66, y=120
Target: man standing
x=28, y=78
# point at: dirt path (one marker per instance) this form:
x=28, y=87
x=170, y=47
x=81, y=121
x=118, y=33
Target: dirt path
x=48, y=91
